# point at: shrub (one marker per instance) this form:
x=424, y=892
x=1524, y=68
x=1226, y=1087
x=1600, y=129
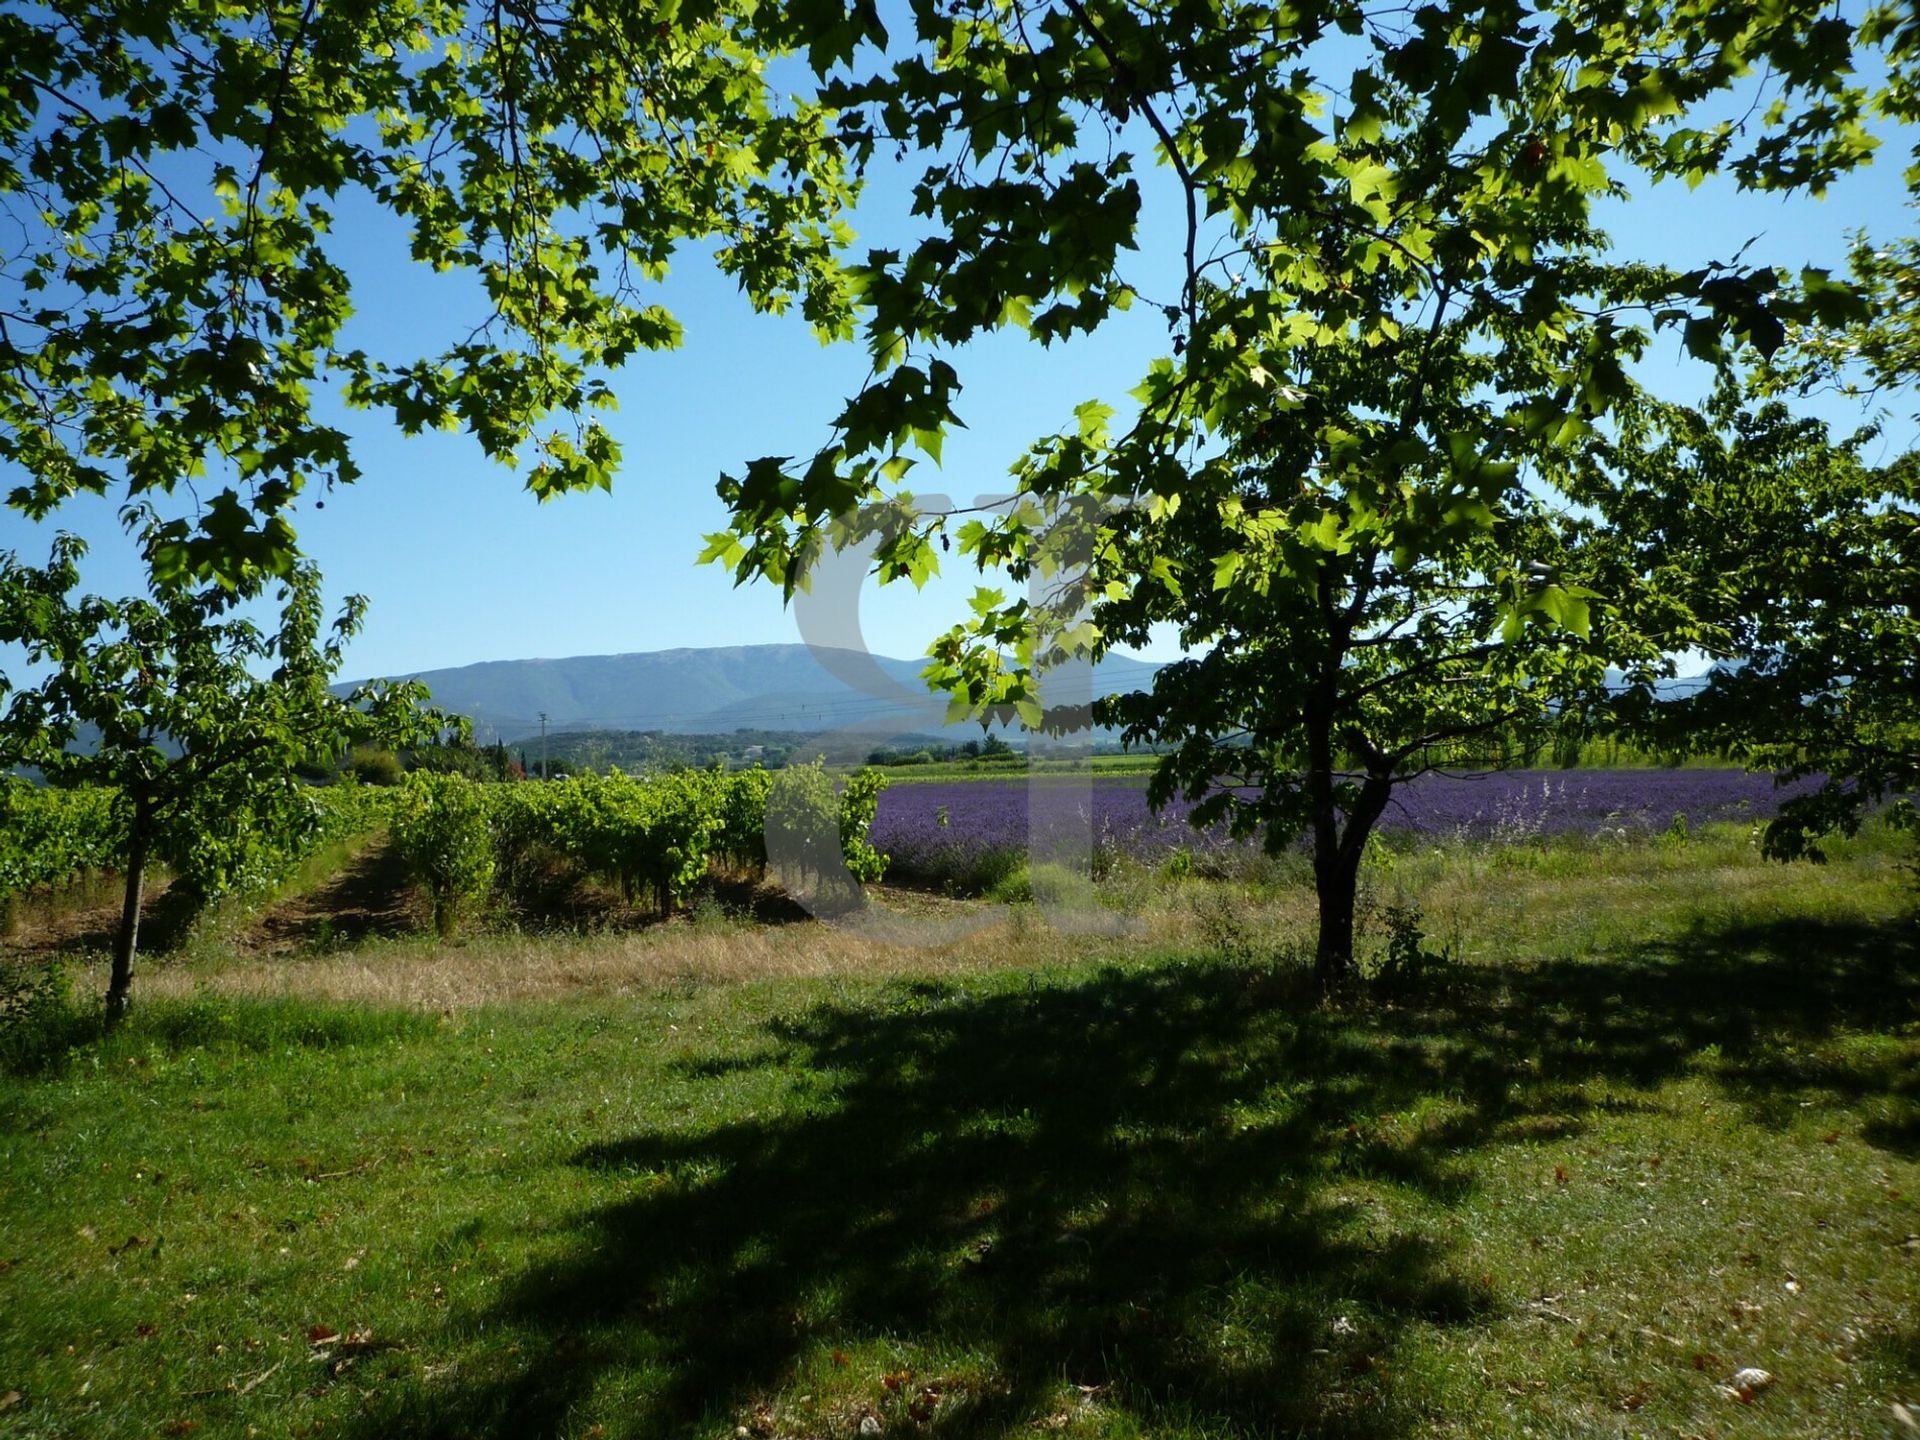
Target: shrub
x=441, y=829
x=373, y=765
x=1408, y=964
x=813, y=834
x=858, y=804
x=1046, y=883
x=742, y=841
x=803, y=824
x=39, y=1018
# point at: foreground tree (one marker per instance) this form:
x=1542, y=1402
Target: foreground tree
x=176, y=181
x=1394, y=327
x=1329, y=670
x=162, y=700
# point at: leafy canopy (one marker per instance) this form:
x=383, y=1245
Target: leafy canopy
x=1390, y=281
x=1752, y=535
x=178, y=180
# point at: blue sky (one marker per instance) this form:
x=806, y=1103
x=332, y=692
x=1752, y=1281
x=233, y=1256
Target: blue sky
x=463, y=565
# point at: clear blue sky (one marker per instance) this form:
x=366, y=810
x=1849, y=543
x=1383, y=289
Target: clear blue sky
x=463, y=565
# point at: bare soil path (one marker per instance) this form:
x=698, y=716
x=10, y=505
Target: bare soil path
x=83, y=918
x=372, y=895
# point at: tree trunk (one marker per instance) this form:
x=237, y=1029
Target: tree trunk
x=1335, y=883
x=1333, y=879
x=127, y=940
x=1337, y=852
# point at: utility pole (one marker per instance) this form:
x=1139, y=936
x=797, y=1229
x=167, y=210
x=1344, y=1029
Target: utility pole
x=545, y=772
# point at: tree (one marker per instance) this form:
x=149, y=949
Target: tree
x=1756, y=537
x=172, y=178
x=1394, y=326
x=160, y=698
x=1831, y=575
x=1325, y=675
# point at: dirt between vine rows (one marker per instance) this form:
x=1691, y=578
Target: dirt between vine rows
x=372, y=895
x=83, y=919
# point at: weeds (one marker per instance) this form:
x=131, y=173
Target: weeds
x=1408, y=963
x=1227, y=931
x=40, y=1019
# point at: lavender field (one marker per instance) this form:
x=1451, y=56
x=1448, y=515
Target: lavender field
x=930, y=825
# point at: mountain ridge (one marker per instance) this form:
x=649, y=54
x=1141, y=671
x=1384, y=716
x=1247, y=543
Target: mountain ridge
x=710, y=689
x=707, y=690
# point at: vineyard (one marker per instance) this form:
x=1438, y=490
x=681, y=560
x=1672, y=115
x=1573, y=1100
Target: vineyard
x=49, y=839
x=655, y=838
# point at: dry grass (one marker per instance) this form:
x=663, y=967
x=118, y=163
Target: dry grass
x=510, y=969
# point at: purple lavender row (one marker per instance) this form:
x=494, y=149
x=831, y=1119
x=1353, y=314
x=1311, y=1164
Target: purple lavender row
x=924, y=818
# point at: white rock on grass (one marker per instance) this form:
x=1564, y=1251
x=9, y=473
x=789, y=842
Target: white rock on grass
x=1747, y=1383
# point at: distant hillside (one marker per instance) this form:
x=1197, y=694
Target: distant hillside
x=709, y=691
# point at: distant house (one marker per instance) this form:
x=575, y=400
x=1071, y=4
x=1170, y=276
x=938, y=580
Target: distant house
x=753, y=754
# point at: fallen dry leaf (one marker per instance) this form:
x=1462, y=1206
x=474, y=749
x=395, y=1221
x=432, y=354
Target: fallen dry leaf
x=255, y=1382
x=320, y=1334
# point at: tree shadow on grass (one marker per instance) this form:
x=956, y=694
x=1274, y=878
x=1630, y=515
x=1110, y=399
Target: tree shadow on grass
x=1747, y=1003
x=1213, y=1205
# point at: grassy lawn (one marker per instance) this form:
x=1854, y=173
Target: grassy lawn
x=1660, y=1124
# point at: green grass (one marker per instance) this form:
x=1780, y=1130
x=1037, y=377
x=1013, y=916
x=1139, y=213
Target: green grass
x=1663, y=1125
